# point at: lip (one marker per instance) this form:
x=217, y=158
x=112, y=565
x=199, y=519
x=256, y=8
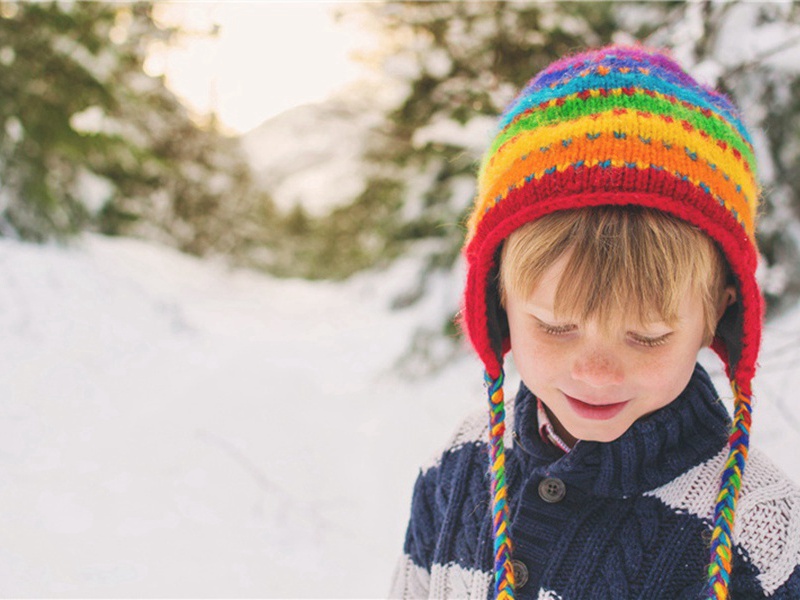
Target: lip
x=598, y=412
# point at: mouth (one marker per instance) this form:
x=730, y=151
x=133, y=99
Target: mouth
x=600, y=412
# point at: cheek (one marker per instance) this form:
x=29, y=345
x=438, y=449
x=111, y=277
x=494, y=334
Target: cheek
x=663, y=376
x=535, y=359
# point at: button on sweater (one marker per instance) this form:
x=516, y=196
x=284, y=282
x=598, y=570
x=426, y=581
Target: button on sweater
x=630, y=518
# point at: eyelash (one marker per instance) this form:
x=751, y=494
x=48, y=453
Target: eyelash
x=556, y=329
x=642, y=340
x=651, y=342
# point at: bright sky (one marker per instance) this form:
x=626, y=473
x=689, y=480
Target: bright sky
x=267, y=57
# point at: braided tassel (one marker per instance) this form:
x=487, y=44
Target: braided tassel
x=504, y=572
x=722, y=538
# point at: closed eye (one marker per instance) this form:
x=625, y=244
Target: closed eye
x=650, y=342
x=555, y=329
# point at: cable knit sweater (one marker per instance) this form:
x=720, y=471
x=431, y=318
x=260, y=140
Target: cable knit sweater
x=625, y=519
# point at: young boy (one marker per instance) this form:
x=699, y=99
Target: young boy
x=612, y=238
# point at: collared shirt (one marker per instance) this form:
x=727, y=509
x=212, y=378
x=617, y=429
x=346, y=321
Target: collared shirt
x=546, y=430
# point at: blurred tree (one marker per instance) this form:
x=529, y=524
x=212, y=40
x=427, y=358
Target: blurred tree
x=88, y=140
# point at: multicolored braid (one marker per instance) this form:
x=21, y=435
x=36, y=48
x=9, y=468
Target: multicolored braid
x=504, y=572
x=621, y=125
x=722, y=536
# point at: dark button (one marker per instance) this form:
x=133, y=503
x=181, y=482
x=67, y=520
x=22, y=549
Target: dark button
x=552, y=489
x=706, y=535
x=520, y=574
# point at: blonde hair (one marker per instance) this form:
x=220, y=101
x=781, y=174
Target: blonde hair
x=628, y=260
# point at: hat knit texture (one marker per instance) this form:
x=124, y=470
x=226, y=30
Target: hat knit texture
x=620, y=125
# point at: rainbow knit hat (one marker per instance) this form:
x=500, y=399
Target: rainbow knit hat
x=619, y=126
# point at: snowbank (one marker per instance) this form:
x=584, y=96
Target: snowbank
x=171, y=428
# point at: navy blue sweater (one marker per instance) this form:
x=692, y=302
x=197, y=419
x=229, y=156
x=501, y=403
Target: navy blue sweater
x=630, y=518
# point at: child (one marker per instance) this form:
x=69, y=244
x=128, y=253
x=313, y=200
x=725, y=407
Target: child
x=612, y=237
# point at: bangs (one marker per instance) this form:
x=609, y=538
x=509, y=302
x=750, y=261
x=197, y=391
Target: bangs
x=622, y=263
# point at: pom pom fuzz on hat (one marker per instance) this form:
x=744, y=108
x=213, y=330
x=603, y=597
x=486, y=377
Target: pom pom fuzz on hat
x=619, y=126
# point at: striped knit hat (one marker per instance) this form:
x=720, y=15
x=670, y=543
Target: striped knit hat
x=619, y=126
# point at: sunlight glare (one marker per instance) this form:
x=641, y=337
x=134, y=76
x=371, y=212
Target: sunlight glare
x=265, y=57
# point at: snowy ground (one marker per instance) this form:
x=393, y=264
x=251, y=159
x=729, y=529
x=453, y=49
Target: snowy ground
x=169, y=428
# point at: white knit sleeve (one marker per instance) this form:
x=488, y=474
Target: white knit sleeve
x=767, y=525
x=768, y=522
x=410, y=581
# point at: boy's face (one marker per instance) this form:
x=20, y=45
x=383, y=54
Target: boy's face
x=594, y=383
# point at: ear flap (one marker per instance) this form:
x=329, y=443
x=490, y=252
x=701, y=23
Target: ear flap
x=496, y=319
x=729, y=332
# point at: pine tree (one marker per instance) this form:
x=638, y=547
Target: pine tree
x=51, y=68
x=89, y=141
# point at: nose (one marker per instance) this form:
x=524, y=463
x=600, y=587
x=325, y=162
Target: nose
x=598, y=368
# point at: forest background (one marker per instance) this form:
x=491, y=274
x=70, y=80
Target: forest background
x=225, y=356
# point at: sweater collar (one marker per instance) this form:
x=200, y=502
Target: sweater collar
x=653, y=451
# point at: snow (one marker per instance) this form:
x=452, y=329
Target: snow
x=474, y=136
x=100, y=65
x=170, y=427
x=307, y=155
x=89, y=120
x=437, y=63
x=14, y=129
x=402, y=67
x=7, y=56
x=93, y=190
x=776, y=42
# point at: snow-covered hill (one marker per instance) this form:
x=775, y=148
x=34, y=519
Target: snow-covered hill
x=312, y=155
x=170, y=428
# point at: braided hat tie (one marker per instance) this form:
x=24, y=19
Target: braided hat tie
x=619, y=126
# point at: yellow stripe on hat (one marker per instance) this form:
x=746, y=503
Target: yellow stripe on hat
x=555, y=142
